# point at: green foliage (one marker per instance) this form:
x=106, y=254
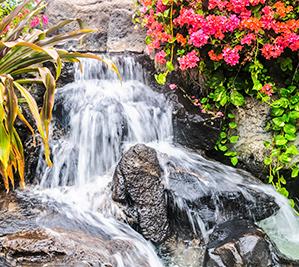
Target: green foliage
x=253, y=59
x=7, y=7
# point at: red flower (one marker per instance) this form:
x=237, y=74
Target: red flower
x=267, y=89
x=181, y=39
x=214, y=56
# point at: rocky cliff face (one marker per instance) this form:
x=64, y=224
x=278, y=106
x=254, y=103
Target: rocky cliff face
x=112, y=20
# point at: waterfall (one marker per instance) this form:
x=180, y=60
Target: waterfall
x=102, y=117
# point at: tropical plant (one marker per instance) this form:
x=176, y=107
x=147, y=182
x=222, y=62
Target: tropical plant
x=24, y=49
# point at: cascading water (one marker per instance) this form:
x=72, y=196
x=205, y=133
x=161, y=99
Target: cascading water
x=103, y=117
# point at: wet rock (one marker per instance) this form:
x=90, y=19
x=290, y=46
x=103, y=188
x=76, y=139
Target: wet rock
x=191, y=128
x=59, y=247
x=137, y=185
x=239, y=243
x=34, y=233
x=115, y=31
x=182, y=252
x=191, y=194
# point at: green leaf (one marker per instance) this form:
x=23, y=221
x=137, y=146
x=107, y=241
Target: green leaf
x=276, y=112
x=267, y=161
x=289, y=129
x=223, y=135
x=204, y=100
x=148, y=40
x=280, y=103
x=169, y=66
x=230, y=154
x=275, y=152
x=234, y=161
x=278, y=122
x=232, y=125
x=284, y=158
x=237, y=99
x=286, y=64
x=280, y=140
x=222, y=148
x=231, y=116
x=282, y=180
x=291, y=137
x=234, y=139
x=4, y=146
x=292, y=150
x=292, y=203
x=283, y=191
x=224, y=100
x=267, y=144
x=295, y=172
x=161, y=78
x=294, y=99
x=294, y=115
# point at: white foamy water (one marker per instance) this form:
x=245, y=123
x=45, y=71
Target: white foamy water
x=103, y=118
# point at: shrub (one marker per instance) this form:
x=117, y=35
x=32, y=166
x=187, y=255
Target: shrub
x=24, y=49
x=237, y=45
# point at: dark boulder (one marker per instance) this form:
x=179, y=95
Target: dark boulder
x=137, y=185
x=240, y=243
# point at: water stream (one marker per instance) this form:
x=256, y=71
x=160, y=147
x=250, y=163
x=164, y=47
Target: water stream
x=103, y=117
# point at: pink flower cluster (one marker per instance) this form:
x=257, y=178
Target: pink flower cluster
x=36, y=21
x=228, y=31
x=248, y=39
x=231, y=55
x=160, y=57
x=188, y=61
x=156, y=31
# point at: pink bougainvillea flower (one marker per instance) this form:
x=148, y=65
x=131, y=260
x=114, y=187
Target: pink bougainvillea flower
x=233, y=23
x=34, y=22
x=160, y=57
x=160, y=6
x=173, y=86
x=248, y=39
x=45, y=19
x=231, y=55
x=188, y=61
x=198, y=38
x=267, y=89
x=271, y=51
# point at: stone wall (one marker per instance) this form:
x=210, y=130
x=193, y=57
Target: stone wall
x=112, y=20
